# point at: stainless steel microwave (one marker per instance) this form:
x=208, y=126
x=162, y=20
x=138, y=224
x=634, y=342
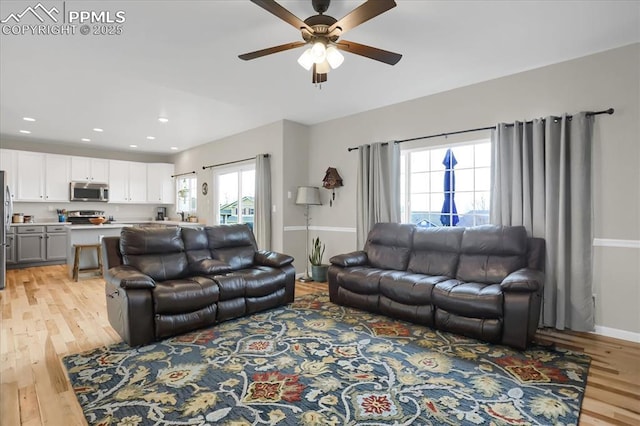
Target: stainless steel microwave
x=84, y=191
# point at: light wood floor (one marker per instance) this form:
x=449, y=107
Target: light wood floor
x=45, y=315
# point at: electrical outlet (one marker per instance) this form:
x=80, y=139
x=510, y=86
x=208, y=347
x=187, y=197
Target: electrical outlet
x=50, y=208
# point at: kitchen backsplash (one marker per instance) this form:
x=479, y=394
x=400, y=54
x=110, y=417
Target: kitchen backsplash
x=46, y=212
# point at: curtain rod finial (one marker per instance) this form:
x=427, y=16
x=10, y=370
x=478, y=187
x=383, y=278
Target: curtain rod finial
x=610, y=111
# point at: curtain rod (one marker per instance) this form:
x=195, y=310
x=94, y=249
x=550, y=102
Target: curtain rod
x=232, y=162
x=182, y=174
x=589, y=114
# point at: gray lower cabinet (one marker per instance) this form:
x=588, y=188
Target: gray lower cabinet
x=38, y=244
x=11, y=249
x=31, y=245
x=56, y=242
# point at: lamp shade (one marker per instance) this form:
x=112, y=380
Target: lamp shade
x=308, y=195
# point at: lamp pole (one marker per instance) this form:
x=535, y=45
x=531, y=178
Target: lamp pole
x=306, y=277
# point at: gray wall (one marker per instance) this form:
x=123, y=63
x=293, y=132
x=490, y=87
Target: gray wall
x=607, y=79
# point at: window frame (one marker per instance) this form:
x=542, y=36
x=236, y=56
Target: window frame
x=193, y=193
x=240, y=167
x=405, y=178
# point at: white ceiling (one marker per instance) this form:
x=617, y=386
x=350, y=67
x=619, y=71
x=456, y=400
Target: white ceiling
x=179, y=59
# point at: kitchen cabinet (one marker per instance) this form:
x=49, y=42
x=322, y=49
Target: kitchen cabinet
x=160, y=184
x=85, y=169
x=127, y=182
x=37, y=244
x=56, y=243
x=56, y=186
x=42, y=177
x=30, y=246
x=31, y=175
x=11, y=247
x=8, y=163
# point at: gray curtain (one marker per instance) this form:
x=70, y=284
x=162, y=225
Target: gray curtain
x=542, y=180
x=378, y=192
x=262, y=212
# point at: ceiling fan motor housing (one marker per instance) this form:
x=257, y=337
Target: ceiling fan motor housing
x=320, y=25
x=320, y=6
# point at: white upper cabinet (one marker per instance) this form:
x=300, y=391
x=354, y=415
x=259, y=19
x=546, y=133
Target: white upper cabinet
x=160, y=184
x=85, y=169
x=127, y=182
x=9, y=163
x=42, y=177
x=57, y=177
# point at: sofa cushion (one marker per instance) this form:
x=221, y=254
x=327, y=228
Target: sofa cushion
x=408, y=288
x=261, y=280
x=158, y=253
x=490, y=253
x=388, y=246
x=436, y=251
x=184, y=295
x=232, y=244
x=362, y=279
x=196, y=245
x=469, y=299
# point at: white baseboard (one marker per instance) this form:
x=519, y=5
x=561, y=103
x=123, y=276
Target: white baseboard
x=617, y=334
x=321, y=228
x=610, y=242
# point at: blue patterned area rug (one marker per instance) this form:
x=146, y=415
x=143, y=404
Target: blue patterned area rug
x=316, y=363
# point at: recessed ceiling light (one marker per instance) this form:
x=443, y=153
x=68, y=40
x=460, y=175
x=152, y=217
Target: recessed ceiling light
x=163, y=119
x=151, y=137
x=133, y=146
x=26, y=132
x=28, y=119
x=97, y=129
x=174, y=148
x=85, y=140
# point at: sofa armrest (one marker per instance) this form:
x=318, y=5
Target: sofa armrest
x=523, y=281
x=125, y=276
x=355, y=258
x=272, y=259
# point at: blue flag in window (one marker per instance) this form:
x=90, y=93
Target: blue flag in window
x=449, y=212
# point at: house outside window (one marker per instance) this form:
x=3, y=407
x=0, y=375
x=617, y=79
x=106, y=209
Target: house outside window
x=423, y=185
x=187, y=195
x=235, y=194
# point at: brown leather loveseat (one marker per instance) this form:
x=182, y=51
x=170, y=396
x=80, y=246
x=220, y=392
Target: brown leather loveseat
x=166, y=281
x=484, y=282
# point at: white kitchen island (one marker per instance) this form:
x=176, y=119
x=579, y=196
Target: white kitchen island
x=93, y=234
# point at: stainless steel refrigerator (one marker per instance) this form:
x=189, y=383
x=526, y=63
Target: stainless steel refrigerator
x=7, y=211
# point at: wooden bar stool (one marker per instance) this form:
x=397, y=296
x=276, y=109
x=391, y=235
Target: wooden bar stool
x=76, y=260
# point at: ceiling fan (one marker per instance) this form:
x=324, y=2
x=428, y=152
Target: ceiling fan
x=321, y=33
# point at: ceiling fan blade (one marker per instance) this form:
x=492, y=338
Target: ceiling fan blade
x=270, y=50
x=361, y=14
x=272, y=7
x=385, y=56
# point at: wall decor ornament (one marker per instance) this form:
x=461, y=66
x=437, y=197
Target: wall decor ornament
x=332, y=180
x=205, y=188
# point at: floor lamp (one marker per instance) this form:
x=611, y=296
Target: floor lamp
x=307, y=196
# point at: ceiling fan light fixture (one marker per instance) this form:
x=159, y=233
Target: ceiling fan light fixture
x=318, y=52
x=306, y=59
x=334, y=57
x=323, y=67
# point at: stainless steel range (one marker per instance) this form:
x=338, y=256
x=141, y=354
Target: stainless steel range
x=81, y=217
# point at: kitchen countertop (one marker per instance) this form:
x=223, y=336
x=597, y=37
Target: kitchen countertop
x=115, y=224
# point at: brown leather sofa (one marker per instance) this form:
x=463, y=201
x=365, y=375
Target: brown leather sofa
x=166, y=281
x=483, y=282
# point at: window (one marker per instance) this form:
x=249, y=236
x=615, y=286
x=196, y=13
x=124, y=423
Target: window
x=423, y=174
x=187, y=195
x=235, y=193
